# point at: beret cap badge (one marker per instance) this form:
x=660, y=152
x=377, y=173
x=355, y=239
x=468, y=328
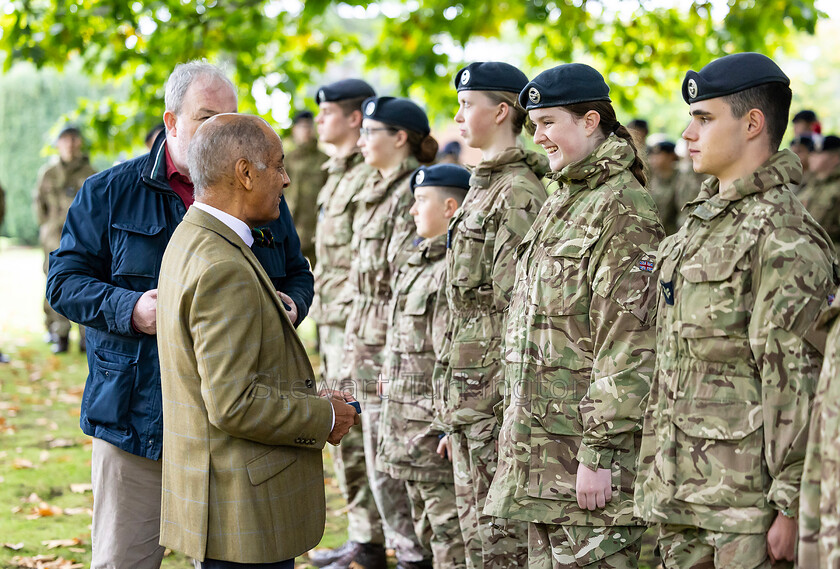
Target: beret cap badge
x=465, y=77
x=419, y=177
x=534, y=95
x=370, y=108
x=692, y=88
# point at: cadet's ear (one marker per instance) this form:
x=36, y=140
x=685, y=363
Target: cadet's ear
x=755, y=122
x=502, y=112
x=354, y=119
x=591, y=120
x=450, y=206
x=401, y=138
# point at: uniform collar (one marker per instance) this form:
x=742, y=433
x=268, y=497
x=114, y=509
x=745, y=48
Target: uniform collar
x=612, y=157
x=482, y=172
x=339, y=164
x=376, y=186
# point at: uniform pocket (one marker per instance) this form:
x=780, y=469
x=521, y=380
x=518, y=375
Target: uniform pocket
x=413, y=327
x=476, y=373
x=473, y=251
x=561, y=285
x=719, y=447
x=555, y=438
x=136, y=253
x=111, y=385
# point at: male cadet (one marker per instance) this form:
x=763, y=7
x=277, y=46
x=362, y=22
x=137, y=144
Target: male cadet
x=243, y=424
x=806, y=122
x=742, y=283
x=303, y=164
x=819, y=505
x=820, y=194
x=105, y=275
x=339, y=120
x=408, y=441
x=665, y=179
x=58, y=183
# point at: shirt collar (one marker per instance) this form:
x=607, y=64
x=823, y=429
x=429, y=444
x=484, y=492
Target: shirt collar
x=235, y=224
x=172, y=170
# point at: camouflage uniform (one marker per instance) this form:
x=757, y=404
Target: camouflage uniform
x=330, y=308
x=383, y=231
x=725, y=426
x=578, y=361
x=819, y=504
x=58, y=184
x=504, y=197
x=303, y=164
x=821, y=197
x=407, y=440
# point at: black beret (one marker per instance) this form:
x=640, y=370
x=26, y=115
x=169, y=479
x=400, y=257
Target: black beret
x=731, y=74
x=302, y=116
x=805, y=140
x=807, y=115
x=830, y=142
x=564, y=85
x=445, y=175
x=401, y=113
x=344, y=89
x=490, y=76
x=664, y=146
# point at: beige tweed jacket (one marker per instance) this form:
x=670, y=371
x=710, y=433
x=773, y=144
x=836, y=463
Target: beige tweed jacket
x=243, y=426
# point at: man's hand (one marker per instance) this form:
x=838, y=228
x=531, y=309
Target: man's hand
x=593, y=488
x=345, y=417
x=781, y=539
x=144, y=315
x=292, y=310
x=444, y=448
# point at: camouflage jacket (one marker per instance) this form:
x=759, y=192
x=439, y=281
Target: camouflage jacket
x=819, y=503
x=578, y=353
x=741, y=283
x=417, y=323
x=334, y=235
x=504, y=198
x=821, y=197
x=383, y=232
x=58, y=184
x=303, y=164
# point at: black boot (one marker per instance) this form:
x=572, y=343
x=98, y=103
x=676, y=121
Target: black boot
x=61, y=345
x=424, y=564
x=362, y=556
x=323, y=557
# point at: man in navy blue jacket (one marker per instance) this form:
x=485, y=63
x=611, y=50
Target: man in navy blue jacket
x=104, y=275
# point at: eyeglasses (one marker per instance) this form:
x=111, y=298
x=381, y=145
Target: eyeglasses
x=366, y=131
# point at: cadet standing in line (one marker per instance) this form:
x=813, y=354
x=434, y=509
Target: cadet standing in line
x=579, y=342
x=819, y=504
x=303, y=164
x=58, y=183
x=504, y=198
x=339, y=120
x=742, y=283
x=820, y=193
x=664, y=182
x=803, y=146
x=395, y=139
x=417, y=324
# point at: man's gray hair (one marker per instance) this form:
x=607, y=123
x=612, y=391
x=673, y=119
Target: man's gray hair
x=183, y=76
x=214, y=151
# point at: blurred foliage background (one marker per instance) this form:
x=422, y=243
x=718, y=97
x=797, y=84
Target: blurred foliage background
x=103, y=64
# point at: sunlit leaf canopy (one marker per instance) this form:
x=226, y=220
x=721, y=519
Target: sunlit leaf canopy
x=279, y=49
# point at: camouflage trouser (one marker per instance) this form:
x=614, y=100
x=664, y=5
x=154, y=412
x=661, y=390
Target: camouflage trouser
x=490, y=542
x=363, y=522
x=55, y=323
x=569, y=547
x=390, y=494
x=690, y=547
x=436, y=522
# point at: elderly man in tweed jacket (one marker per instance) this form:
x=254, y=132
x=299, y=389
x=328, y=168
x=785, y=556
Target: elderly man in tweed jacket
x=243, y=424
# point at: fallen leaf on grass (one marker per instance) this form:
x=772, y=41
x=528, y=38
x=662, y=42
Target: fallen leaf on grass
x=21, y=463
x=33, y=498
x=76, y=549
x=81, y=488
x=44, y=510
x=60, y=443
x=45, y=562
x=53, y=543
x=77, y=511
x=13, y=546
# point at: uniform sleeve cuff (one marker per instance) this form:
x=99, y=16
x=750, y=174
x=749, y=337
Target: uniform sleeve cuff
x=594, y=459
x=784, y=497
